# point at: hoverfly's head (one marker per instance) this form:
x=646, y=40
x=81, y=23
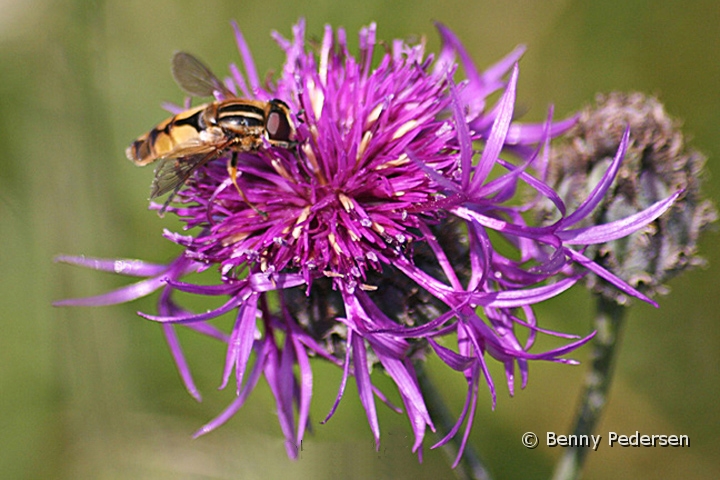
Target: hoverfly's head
x=278, y=124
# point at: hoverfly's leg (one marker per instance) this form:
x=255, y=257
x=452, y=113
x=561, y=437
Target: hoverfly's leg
x=161, y=214
x=233, y=172
x=169, y=200
x=300, y=114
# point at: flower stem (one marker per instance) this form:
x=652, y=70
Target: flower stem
x=471, y=466
x=608, y=322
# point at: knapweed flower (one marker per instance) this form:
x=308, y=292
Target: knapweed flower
x=396, y=227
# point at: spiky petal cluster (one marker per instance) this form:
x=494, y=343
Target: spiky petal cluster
x=371, y=243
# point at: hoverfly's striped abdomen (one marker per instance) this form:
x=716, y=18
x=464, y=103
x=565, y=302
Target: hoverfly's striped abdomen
x=168, y=136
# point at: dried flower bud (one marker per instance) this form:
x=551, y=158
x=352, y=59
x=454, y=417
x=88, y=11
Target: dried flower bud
x=657, y=162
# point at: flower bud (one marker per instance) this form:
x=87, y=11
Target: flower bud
x=657, y=162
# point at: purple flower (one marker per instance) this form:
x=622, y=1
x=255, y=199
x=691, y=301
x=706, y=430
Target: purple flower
x=375, y=241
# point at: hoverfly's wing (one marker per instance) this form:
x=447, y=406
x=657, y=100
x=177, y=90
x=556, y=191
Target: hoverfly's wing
x=172, y=173
x=190, y=148
x=176, y=165
x=195, y=78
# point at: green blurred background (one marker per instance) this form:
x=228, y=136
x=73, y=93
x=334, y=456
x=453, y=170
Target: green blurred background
x=93, y=393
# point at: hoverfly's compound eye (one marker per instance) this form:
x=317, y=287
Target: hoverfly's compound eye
x=278, y=122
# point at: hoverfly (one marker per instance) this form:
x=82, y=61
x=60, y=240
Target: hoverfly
x=186, y=141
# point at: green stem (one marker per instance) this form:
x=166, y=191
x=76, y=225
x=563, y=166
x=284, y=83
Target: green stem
x=608, y=323
x=471, y=466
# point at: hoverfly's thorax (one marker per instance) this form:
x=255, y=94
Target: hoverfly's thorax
x=241, y=117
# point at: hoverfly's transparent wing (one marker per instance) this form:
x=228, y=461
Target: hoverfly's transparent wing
x=172, y=173
x=195, y=78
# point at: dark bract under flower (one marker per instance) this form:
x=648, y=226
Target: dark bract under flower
x=370, y=243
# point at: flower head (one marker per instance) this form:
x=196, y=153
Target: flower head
x=657, y=161
x=374, y=242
